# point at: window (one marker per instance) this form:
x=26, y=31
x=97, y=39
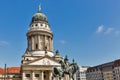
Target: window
x=27, y=59
x=41, y=24
x=36, y=75
x=27, y=75
x=36, y=46
x=36, y=24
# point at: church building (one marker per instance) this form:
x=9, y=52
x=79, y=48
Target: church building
x=38, y=61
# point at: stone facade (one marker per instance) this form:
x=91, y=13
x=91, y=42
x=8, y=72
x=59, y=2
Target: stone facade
x=107, y=71
x=81, y=73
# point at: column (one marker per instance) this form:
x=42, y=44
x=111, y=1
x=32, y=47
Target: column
x=57, y=78
x=32, y=76
x=39, y=46
x=42, y=75
x=50, y=46
x=50, y=75
x=32, y=43
x=66, y=77
x=75, y=76
x=45, y=41
x=28, y=42
x=23, y=76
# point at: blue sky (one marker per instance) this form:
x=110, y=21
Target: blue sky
x=86, y=30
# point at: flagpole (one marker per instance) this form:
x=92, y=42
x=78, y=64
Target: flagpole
x=5, y=72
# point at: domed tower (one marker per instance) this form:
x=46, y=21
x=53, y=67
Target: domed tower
x=40, y=38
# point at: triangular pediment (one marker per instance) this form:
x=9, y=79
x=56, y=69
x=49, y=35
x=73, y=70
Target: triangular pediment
x=45, y=62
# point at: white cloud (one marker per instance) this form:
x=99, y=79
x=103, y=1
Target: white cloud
x=3, y=43
x=117, y=33
x=100, y=29
x=109, y=30
x=62, y=41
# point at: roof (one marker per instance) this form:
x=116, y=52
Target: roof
x=1, y=70
x=13, y=70
x=10, y=70
x=39, y=16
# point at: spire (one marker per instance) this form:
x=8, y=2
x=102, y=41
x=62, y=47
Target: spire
x=39, y=8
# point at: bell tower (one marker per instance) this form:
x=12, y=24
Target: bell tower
x=39, y=37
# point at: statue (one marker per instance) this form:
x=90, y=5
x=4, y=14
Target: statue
x=45, y=48
x=73, y=69
x=66, y=65
x=66, y=68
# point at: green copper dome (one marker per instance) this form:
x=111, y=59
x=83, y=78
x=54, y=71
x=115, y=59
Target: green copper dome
x=39, y=16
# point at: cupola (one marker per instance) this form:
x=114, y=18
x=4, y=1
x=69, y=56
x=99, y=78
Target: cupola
x=39, y=16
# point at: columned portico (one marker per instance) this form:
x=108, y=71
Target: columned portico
x=37, y=75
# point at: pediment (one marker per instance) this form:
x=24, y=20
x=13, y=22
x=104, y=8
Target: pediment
x=45, y=62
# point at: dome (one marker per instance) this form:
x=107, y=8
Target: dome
x=39, y=16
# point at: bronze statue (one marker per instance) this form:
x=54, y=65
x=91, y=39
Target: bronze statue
x=66, y=68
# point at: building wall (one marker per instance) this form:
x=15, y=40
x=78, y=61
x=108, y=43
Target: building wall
x=94, y=73
x=10, y=77
x=107, y=71
x=117, y=73
x=10, y=73
x=81, y=73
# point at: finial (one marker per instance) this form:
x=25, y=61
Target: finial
x=57, y=51
x=73, y=60
x=66, y=57
x=39, y=8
